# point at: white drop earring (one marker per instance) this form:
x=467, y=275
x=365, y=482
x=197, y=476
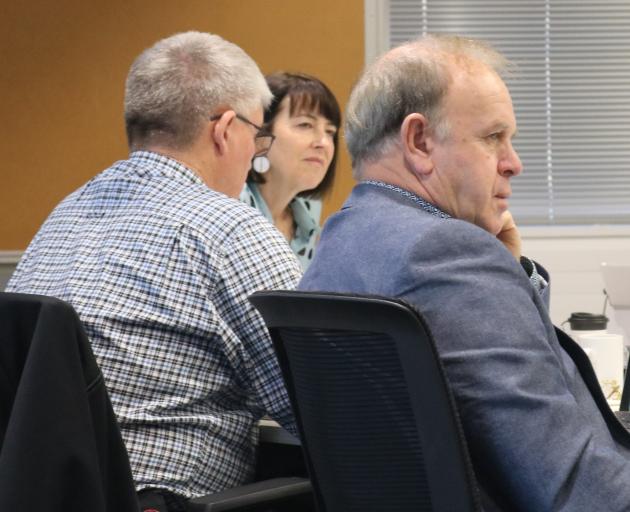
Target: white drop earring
x=261, y=164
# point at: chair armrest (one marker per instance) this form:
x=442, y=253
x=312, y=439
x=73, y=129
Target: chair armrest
x=257, y=493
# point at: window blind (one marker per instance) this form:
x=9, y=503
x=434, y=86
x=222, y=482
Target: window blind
x=571, y=94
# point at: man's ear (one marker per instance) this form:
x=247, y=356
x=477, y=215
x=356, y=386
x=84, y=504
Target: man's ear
x=414, y=133
x=220, y=132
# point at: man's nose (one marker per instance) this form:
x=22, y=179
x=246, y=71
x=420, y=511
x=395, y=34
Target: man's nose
x=511, y=164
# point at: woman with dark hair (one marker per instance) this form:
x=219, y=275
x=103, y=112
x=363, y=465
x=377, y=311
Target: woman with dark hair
x=287, y=184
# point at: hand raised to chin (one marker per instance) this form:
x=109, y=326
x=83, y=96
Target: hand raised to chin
x=509, y=235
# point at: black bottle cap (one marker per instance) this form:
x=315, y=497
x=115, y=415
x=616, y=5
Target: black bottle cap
x=587, y=322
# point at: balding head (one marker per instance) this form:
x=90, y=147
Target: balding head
x=413, y=77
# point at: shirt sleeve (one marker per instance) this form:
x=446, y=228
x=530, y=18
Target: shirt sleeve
x=257, y=258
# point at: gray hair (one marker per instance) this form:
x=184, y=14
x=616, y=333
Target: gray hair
x=178, y=83
x=413, y=77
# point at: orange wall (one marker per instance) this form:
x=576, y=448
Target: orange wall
x=63, y=66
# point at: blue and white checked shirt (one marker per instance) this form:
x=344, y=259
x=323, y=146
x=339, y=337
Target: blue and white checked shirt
x=159, y=268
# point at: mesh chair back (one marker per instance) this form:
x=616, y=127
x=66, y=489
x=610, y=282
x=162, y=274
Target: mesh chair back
x=377, y=420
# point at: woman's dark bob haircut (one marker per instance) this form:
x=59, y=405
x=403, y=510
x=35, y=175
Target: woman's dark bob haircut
x=309, y=94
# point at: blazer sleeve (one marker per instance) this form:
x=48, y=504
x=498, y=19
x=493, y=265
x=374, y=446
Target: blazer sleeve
x=534, y=432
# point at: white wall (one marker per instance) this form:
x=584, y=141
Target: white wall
x=573, y=256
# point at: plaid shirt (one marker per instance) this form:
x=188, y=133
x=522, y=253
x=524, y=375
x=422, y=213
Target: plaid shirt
x=159, y=268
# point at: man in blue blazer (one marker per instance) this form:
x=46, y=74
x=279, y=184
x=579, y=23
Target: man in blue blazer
x=429, y=128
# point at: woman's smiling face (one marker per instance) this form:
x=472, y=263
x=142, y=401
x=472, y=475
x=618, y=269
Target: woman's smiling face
x=303, y=149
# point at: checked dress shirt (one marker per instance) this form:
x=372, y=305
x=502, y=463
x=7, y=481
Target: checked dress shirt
x=159, y=268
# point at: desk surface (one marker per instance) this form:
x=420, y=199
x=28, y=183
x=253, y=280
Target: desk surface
x=271, y=432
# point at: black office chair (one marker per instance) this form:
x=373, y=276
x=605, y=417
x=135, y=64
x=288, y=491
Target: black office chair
x=377, y=420
x=60, y=445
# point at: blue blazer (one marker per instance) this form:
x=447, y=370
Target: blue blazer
x=538, y=428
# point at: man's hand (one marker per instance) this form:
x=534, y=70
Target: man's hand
x=509, y=235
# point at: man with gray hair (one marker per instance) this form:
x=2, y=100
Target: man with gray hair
x=429, y=127
x=158, y=259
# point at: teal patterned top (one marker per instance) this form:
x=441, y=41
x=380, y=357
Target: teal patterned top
x=306, y=213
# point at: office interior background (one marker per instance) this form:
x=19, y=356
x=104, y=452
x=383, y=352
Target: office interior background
x=65, y=63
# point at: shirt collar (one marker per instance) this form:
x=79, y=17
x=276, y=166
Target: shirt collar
x=151, y=162
x=426, y=206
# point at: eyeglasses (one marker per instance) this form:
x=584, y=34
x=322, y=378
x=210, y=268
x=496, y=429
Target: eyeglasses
x=263, y=139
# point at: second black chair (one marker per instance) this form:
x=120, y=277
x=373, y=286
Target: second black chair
x=377, y=420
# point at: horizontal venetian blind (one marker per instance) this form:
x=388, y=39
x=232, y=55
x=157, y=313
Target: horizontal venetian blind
x=571, y=94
